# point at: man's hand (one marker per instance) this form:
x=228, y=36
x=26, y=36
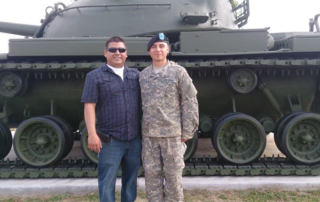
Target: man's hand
x=184, y=140
x=94, y=143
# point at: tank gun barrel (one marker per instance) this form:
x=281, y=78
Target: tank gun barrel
x=18, y=29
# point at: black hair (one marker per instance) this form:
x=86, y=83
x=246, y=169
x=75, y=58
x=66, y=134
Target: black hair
x=114, y=39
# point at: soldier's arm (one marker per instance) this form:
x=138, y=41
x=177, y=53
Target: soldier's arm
x=189, y=106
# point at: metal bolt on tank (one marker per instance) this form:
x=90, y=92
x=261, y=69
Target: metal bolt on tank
x=250, y=83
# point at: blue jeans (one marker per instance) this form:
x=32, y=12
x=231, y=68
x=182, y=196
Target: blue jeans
x=114, y=154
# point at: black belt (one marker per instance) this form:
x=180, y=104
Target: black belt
x=104, y=137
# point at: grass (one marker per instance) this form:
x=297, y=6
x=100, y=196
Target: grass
x=192, y=196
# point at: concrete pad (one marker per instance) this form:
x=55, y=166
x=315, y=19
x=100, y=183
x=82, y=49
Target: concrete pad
x=42, y=187
x=288, y=183
x=45, y=187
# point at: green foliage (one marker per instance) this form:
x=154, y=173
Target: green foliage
x=192, y=196
x=59, y=197
x=7, y=200
x=222, y=196
x=142, y=194
x=92, y=197
x=234, y=4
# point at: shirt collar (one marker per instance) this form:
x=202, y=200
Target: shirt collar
x=162, y=73
x=106, y=68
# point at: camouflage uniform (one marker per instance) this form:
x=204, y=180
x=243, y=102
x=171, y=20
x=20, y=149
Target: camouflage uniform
x=170, y=113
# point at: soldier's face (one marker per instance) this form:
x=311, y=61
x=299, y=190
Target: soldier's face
x=116, y=59
x=159, y=51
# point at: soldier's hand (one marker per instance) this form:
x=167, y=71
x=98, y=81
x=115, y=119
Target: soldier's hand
x=184, y=140
x=94, y=143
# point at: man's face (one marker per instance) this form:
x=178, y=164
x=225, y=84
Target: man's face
x=159, y=51
x=115, y=59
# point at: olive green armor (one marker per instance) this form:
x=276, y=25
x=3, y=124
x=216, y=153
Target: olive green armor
x=250, y=83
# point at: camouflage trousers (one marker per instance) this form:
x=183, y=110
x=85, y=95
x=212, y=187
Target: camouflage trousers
x=163, y=165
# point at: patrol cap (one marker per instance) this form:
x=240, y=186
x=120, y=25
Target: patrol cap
x=157, y=38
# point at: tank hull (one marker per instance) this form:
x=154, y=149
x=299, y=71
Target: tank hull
x=249, y=82
x=66, y=94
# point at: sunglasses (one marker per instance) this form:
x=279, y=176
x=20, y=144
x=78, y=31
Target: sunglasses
x=113, y=50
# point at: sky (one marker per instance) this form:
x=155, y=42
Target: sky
x=279, y=15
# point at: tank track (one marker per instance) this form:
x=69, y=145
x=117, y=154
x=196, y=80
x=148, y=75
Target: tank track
x=205, y=166
x=74, y=168
x=283, y=66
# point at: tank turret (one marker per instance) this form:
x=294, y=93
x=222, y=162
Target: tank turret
x=95, y=17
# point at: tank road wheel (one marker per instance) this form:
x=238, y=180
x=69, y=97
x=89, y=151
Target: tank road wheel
x=67, y=131
x=279, y=130
x=224, y=117
x=12, y=84
x=192, y=146
x=90, y=155
x=5, y=140
x=239, y=138
x=243, y=81
x=39, y=142
x=301, y=138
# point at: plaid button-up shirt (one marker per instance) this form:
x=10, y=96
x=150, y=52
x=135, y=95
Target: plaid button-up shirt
x=118, y=102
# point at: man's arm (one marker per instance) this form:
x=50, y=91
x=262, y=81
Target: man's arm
x=90, y=98
x=94, y=142
x=189, y=106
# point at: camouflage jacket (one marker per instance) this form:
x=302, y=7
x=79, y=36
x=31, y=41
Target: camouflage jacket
x=169, y=102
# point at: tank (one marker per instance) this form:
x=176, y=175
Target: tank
x=250, y=83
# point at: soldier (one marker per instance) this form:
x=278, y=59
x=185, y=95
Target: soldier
x=170, y=118
x=111, y=96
